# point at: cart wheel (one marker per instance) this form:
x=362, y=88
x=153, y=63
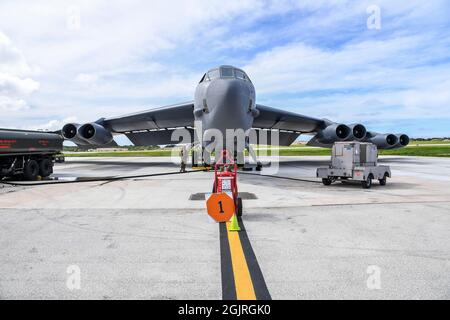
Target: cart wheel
x=45, y=167
x=31, y=170
x=326, y=181
x=384, y=180
x=239, y=207
x=259, y=166
x=367, y=183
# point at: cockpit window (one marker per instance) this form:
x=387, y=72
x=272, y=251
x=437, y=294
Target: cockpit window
x=226, y=72
x=213, y=74
x=240, y=74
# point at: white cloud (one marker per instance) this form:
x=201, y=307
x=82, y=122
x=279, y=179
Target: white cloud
x=14, y=83
x=111, y=33
x=86, y=78
x=301, y=68
x=54, y=124
x=16, y=86
x=11, y=58
x=12, y=104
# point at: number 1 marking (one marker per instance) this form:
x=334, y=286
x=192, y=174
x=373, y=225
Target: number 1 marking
x=221, y=209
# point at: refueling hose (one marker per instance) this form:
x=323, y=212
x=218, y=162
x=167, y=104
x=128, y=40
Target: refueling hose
x=278, y=177
x=98, y=179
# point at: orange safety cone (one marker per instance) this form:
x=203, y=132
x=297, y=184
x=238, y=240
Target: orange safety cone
x=234, y=225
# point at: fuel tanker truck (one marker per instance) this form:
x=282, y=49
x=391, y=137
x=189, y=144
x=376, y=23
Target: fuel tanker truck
x=29, y=154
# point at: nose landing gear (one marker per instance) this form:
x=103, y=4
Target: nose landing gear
x=225, y=180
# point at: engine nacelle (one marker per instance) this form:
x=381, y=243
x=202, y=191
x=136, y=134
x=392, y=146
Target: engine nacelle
x=334, y=132
x=95, y=134
x=384, y=141
x=70, y=132
x=403, y=141
x=357, y=132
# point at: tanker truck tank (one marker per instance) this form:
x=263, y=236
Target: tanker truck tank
x=28, y=154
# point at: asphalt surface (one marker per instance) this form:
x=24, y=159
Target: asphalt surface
x=143, y=238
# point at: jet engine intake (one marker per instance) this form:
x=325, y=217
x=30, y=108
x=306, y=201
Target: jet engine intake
x=358, y=132
x=403, y=140
x=384, y=141
x=70, y=132
x=95, y=134
x=334, y=132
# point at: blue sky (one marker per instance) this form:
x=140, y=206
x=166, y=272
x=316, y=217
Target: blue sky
x=79, y=61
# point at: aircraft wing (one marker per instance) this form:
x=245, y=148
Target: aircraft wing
x=290, y=125
x=272, y=118
x=149, y=127
x=155, y=126
x=172, y=116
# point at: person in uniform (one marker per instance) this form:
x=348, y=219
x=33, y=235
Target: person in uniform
x=184, y=157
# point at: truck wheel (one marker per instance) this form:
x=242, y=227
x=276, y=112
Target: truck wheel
x=31, y=170
x=45, y=167
x=239, y=207
x=367, y=183
x=384, y=180
x=326, y=181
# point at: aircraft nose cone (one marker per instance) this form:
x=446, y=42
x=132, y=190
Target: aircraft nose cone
x=227, y=101
x=232, y=99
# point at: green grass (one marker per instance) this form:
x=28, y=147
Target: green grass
x=429, y=142
x=420, y=151
x=434, y=148
x=143, y=153
x=437, y=149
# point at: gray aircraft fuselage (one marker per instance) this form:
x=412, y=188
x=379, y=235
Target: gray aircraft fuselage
x=224, y=99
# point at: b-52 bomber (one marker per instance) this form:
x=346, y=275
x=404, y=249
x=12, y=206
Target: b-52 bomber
x=224, y=100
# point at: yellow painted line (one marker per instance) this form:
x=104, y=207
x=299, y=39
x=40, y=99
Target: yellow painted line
x=242, y=279
x=201, y=168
